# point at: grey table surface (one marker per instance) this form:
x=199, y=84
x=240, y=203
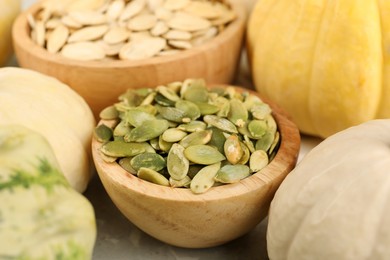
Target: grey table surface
x=119, y=239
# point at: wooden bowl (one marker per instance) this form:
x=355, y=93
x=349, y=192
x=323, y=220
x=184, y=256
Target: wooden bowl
x=178, y=217
x=100, y=82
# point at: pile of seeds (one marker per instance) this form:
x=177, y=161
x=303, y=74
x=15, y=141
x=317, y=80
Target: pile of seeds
x=186, y=135
x=130, y=29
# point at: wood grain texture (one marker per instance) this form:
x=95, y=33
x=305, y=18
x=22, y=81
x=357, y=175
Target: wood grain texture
x=178, y=217
x=100, y=83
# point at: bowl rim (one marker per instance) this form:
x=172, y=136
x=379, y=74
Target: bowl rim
x=283, y=162
x=20, y=34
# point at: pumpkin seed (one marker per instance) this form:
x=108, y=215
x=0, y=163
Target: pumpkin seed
x=203, y=154
x=195, y=91
x=136, y=117
x=258, y=160
x=168, y=93
x=193, y=126
x=172, y=113
x=217, y=139
x=274, y=144
x=57, y=38
x=148, y=130
x=141, y=49
x=148, y=160
x=257, y=128
x=204, y=179
x=163, y=101
x=248, y=143
x=271, y=123
x=109, y=113
x=246, y=154
x=173, y=135
x=142, y=22
x=233, y=150
x=132, y=9
x=232, y=173
x=147, y=136
x=238, y=114
x=159, y=29
x=122, y=149
x=190, y=109
x=122, y=129
x=83, y=51
x=265, y=142
x=103, y=133
x=108, y=159
x=177, y=163
x=261, y=111
x=188, y=22
x=176, y=4
x=221, y=123
x=206, y=108
x=199, y=137
x=185, y=182
x=125, y=164
x=152, y=176
x=88, y=33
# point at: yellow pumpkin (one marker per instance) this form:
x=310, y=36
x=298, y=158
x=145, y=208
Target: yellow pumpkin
x=327, y=62
x=8, y=12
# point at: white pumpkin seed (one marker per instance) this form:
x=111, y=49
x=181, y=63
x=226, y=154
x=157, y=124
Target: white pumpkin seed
x=142, y=22
x=115, y=9
x=132, y=9
x=57, y=38
x=159, y=29
x=88, y=17
x=84, y=51
x=88, y=33
x=176, y=4
x=116, y=35
x=187, y=22
x=177, y=35
x=143, y=48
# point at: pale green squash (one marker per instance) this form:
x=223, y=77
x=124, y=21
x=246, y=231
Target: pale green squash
x=41, y=215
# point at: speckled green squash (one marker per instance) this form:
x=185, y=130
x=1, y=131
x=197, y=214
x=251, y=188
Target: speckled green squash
x=41, y=216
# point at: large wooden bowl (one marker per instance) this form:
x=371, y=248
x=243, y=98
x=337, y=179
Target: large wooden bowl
x=178, y=217
x=100, y=82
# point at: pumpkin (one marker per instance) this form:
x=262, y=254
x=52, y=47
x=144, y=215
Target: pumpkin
x=53, y=109
x=8, y=12
x=336, y=203
x=42, y=217
x=326, y=62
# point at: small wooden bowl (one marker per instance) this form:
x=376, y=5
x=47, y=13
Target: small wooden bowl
x=178, y=217
x=101, y=82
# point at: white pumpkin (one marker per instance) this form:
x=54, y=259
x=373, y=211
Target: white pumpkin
x=53, y=109
x=336, y=203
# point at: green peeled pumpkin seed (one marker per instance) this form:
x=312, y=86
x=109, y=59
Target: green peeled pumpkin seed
x=203, y=154
x=232, y=173
x=204, y=179
x=148, y=160
x=152, y=176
